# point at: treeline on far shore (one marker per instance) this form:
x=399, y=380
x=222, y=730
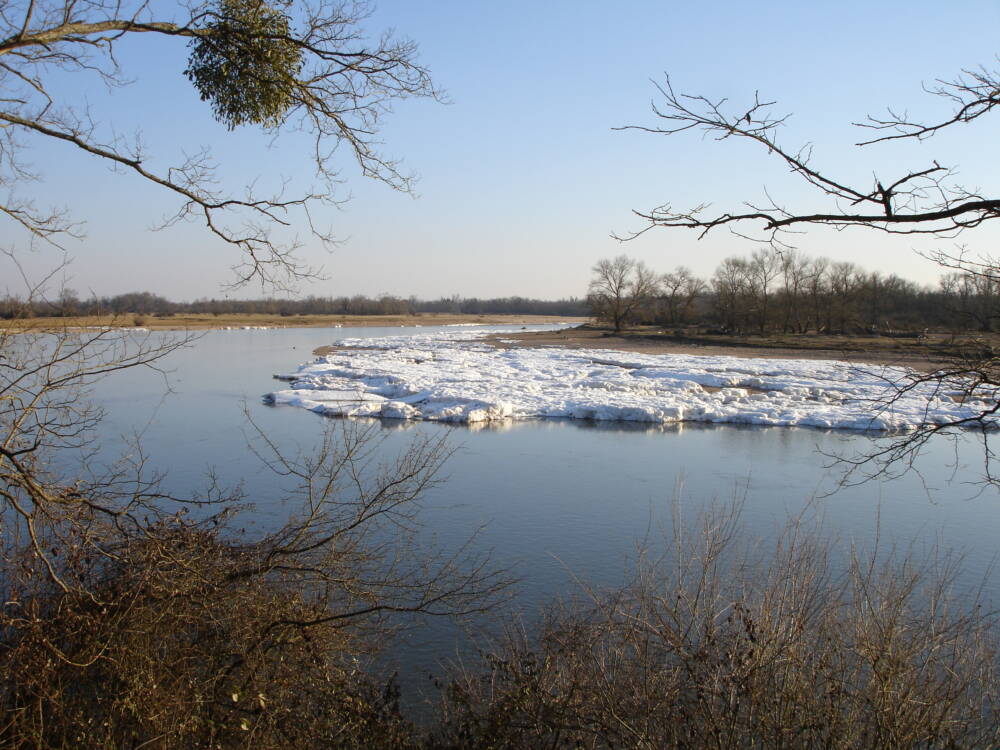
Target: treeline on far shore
x=790, y=292
x=69, y=304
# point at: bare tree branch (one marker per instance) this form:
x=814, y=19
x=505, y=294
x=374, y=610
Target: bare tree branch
x=332, y=83
x=973, y=94
x=917, y=202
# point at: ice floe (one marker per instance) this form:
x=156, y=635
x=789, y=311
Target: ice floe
x=453, y=376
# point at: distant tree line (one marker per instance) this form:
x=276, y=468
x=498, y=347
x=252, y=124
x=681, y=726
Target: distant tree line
x=69, y=304
x=790, y=292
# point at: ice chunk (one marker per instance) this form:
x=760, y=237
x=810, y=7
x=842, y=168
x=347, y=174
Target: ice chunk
x=452, y=376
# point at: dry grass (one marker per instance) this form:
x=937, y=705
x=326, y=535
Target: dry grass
x=124, y=627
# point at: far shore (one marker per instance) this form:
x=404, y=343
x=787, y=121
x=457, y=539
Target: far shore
x=922, y=353
x=207, y=321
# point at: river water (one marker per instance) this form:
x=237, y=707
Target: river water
x=559, y=501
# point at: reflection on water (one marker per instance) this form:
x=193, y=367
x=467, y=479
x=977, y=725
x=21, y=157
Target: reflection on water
x=559, y=500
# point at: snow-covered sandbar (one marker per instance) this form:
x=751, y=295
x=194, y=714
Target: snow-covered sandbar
x=455, y=377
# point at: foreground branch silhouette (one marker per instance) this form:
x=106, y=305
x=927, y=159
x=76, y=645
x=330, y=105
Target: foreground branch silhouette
x=918, y=201
x=709, y=646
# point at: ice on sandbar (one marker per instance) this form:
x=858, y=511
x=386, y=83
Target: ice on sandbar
x=454, y=377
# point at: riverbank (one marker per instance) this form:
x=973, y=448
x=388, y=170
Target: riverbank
x=183, y=322
x=923, y=353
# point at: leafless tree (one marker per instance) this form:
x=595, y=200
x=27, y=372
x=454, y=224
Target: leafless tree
x=819, y=270
x=795, y=278
x=764, y=268
x=301, y=66
x=620, y=288
x=974, y=283
x=130, y=615
x=679, y=290
x=842, y=278
x=730, y=284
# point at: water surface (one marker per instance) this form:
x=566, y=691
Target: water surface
x=558, y=500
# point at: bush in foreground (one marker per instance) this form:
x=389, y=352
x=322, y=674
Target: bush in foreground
x=707, y=650
x=178, y=641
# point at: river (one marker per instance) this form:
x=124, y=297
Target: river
x=561, y=501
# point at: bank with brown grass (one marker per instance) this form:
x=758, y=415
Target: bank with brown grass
x=207, y=321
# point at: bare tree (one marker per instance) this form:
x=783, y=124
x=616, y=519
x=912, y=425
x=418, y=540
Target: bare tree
x=620, y=288
x=819, y=270
x=842, y=279
x=135, y=625
x=794, y=281
x=128, y=620
x=679, y=289
x=730, y=284
x=974, y=284
x=302, y=66
x=764, y=268
x=131, y=616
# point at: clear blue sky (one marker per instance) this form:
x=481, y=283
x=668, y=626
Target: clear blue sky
x=522, y=178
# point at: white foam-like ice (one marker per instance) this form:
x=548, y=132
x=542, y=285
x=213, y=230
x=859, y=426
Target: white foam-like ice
x=454, y=377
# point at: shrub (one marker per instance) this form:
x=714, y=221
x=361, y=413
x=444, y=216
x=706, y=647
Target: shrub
x=178, y=641
x=706, y=651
